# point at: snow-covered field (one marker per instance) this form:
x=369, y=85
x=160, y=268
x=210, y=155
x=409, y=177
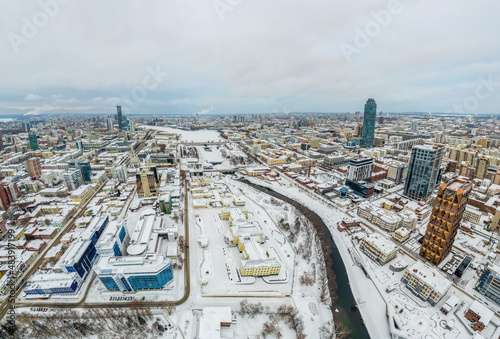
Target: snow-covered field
x=190, y=136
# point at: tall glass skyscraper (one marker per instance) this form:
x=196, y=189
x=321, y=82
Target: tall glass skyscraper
x=369, y=123
x=33, y=140
x=120, y=117
x=423, y=171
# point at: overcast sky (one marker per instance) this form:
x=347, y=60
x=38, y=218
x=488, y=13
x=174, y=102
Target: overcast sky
x=240, y=56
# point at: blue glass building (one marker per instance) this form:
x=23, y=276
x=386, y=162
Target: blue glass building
x=80, y=256
x=128, y=274
x=423, y=171
x=369, y=123
x=86, y=170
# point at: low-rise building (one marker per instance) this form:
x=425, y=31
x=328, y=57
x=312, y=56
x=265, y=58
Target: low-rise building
x=426, y=282
x=479, y=316
x=402, y=234
x=378, y=248
x=130, y=273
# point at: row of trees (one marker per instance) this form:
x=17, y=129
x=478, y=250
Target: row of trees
x=284, y=313
x=109, y=323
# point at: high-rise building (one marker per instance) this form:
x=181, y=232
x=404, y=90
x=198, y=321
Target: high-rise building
x=132, y=126
x=86, y=170
x=369, y=123
x=33, y=140
x=146, y=184
x=359, y=130
x=79, y=146
x=33, y=167
x=423, y=171
x=120, y=173
x=26, y=127
x=109, y=122
x=414, y=126
x=73, y=178
x=445, y=219
x=482, y=166
x=1, y=141
x=489, y=282
x=9, y=193
x=120, y=117
x=461, y=155
x=88, y=128
x=360, y=169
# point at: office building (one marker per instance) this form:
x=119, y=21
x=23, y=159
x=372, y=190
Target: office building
x=33, y=167
x=84, y=166
x=369, y=123
x=132, y=126
x=79, y=146
x=146, y=184
x=445, y=219
x=53, y=283
x=423, y=171
x=109, y=123
x=128, y=274
x=482, y=166
x=73, y=178
x=33, y=140
x=81, y=254
x=114, y=240
x=426, y=282
x=120, y=173
x=489, y=282
x=120, y=117
x=360, y=169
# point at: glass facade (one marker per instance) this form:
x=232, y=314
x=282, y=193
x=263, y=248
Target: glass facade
x=122, y=234
x=423, y=171
x=145, y=282
x=369, y=123
x=489, y=284
x=109, y=283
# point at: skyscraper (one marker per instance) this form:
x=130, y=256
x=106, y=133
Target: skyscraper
x=120, y=117
x=369, y=123
x=132, y=126
x=33, y=140
x=423, y=171
x=445, y=219
x=109, y=123
x=146, y=184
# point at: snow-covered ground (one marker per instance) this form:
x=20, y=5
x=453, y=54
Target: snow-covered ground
x=190, y=136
